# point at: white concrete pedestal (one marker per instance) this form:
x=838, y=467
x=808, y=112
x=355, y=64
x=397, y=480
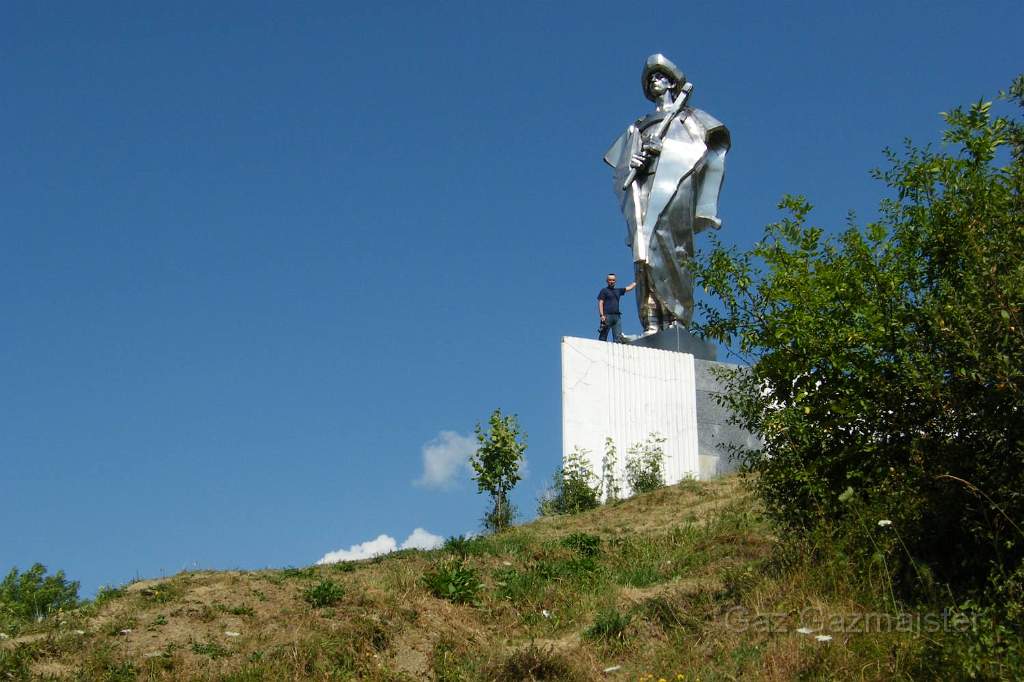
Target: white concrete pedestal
x=628, y=392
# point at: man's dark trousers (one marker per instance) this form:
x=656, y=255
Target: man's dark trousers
x=612, y=321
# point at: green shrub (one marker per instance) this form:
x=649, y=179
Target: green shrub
x=16, y=662
x=324, y=593
x=32, y=595
x=462, y=546
x=239, y=610
x=610, y=484
x=519, y=587
x=453, y=580
x=645, y=465
x=161, y=593
x=211, y=649
x=890, y=359
x=609, y=626
x=584, y=544
x=574, y=487
x=988, y=635
x=106, y=593
x=575, y=569
x=292, y=573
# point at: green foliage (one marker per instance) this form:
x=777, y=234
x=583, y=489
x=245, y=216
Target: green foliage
x=519, y=587
x=161, y=593
x=106, y=593
x=16, y=662
x=33, y=595
x=574, y=487
x=454, y=580
x=449, y=661
x=462, y=546
x=584, y=544
x=890, y=359
x=610, y=484
x=991, y=641
x=116, y=626
x=324, y=593
x=211, y=649
x=609, y=626
x=292, y=573
x=499, y=516
x=645, y=465
x=496, y=465
x=239, y=610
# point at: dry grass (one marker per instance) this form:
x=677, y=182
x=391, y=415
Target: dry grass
x=675, y=564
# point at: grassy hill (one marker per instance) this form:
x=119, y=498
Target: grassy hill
x=687, y=582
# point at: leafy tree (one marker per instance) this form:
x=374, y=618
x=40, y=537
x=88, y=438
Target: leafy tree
x=890, y=359
x=32, y=595
x=496, y=464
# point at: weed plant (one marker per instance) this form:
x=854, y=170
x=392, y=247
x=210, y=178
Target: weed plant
x=324, y=593
x=574, y=487
x=210, y=649
x=645, y=469
x=609, y=626
x=583, y=544
x=461, y=546
x=454, y=580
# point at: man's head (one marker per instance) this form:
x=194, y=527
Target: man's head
x=661, y=75
x=610, y=279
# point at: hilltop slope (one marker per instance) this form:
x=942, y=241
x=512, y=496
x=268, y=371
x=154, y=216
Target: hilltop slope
x=649, y=586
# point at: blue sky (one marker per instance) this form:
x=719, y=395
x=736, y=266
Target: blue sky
x=261, y=261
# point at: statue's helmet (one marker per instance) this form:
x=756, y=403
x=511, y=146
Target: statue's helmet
x=659, y=63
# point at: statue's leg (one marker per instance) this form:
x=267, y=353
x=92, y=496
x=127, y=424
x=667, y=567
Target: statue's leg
x=652, y=321
x=643, y=292
x=710, y=185
x=646, y=306
x=640, y=277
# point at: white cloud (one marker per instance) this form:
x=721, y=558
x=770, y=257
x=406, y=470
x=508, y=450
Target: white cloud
x=383, y=544
x=422, y=539
x=445, y=459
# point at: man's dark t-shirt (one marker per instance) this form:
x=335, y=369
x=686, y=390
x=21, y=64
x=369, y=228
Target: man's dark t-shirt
x=610, y=296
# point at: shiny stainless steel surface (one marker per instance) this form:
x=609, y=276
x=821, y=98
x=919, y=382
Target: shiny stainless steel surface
x=668, y=170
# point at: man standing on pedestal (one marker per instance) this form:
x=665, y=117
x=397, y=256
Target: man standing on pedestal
x=608, y=309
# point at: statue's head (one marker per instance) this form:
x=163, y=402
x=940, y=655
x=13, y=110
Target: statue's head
x=660, y=65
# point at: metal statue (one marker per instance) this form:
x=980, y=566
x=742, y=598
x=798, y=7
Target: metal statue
x=669, y=166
